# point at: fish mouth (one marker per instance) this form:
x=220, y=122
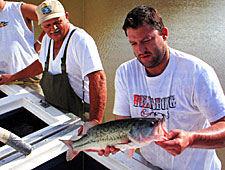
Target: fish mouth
x=161, y=130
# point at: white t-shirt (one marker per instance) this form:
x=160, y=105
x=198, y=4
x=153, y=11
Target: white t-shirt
x=188, y=93
x=17, y=41
x=82, y=59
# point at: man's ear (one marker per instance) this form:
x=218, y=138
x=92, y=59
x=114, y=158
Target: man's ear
x=165, y=33
x=67, y=15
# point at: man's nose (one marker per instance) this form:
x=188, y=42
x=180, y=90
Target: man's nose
x=54, y=27
x=141, y=48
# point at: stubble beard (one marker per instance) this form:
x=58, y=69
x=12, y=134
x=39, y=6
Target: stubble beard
x=156, y=59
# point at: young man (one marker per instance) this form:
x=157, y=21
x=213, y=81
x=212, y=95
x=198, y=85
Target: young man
x=163, y=82
x=73, y=75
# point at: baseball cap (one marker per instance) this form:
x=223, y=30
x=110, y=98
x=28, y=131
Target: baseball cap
x=49, y=9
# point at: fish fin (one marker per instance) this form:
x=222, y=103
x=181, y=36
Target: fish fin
x=129, y=153
x=70, y=152
x=67, y=142
x=87, y=125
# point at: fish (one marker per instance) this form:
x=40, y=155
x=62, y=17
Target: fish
x=128, y=134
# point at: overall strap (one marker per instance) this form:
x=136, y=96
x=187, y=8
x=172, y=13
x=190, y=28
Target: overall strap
x=63, y=65
x=48, y=57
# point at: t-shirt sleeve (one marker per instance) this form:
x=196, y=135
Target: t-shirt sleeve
x=209, y=96
x=44, y=48
x=121, y=103
x=87, y=53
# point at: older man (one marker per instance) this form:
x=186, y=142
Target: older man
x=73, y=75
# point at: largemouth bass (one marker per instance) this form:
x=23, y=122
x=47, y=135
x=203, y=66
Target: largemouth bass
x=127, y=134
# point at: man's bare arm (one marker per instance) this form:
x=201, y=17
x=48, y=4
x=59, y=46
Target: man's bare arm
x=32, y=70
x=98, y=95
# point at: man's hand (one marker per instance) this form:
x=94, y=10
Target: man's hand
x=87, y=125
x=178, y=140
x=5, y=78
x=108, y=150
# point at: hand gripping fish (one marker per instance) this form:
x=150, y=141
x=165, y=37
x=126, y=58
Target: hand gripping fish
x=127, y=134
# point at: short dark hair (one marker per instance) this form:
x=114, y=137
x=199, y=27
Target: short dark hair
x=143, y=15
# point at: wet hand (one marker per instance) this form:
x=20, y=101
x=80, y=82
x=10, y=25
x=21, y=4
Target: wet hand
x=5, y=78
x=108, y=150
x=178, y=141
x=86, y=126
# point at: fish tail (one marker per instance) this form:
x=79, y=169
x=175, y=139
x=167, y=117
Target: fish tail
x=70, y=152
